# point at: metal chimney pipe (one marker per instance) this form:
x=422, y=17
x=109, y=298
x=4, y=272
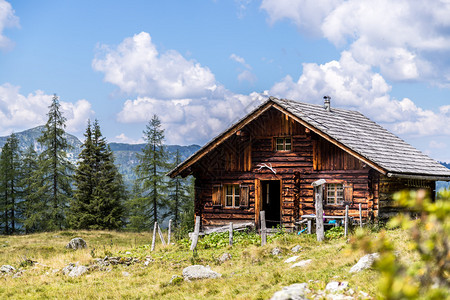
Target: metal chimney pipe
x=327, y=104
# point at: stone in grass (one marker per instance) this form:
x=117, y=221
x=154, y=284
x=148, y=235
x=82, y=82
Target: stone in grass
x=74, y=270
x=364, y=262
x=336, y=286
x=76, y=243
x=296, y=248
x=225, y=257
x=302, y=263
x=296, y=291
x=291, y=259
x=199, y=272
x=176, y=280
x=7, y=269
x=276, y=251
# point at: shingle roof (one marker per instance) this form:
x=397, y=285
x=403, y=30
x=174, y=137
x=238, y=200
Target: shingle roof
x=353, y=130
x=366, y=138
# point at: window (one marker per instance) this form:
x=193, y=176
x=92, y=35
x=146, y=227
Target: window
x=283, y=144
x=335, y=194
x=232, y=195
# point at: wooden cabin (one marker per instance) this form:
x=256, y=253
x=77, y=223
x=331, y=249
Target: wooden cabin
x=269, y=159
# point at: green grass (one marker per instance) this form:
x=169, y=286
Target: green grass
x=252, y=273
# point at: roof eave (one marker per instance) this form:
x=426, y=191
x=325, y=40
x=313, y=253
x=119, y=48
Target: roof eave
x=419, y=176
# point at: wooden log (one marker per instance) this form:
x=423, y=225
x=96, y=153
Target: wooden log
x=263, y=228
x=360, y=216
x=230, y=236
x=346, y=221
x=170, y=232
x=319, y=215
x=161, y=236
x=154, y=236
x=196, y=232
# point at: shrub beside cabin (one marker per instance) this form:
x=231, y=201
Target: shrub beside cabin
x=269, y=159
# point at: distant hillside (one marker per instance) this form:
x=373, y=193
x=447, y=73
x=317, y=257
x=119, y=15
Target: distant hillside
x=125, y=154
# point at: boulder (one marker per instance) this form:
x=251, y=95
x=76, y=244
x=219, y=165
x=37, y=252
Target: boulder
x=74, y=270
x=199, y=272
x=296, y=291
x=225, y=257
x=276, y=251
x=7, y=269
x=76, y=243
x=364, y=262
x=296, y=248
x=302, y=263
x=291, y=259
x=336, y=286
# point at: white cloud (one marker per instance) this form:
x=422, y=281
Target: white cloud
x=353, y=85
x=137, y=68
x=122, y=138
x=194, y=120
x=19, y=112
x=246, y=74
x=7, y=19
x=406, y=40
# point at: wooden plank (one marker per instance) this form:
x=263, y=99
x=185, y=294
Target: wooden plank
x=263, y=228
x=257, y=201
x=230, y=235
x=154, y=236
x=196, y=233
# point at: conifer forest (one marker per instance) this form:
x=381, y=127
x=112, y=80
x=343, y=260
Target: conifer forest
x=45, y=191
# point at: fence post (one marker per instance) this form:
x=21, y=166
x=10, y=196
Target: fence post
x=263, y=227
x=230, y=236
x=196, y=233
x=360, y=216
x=318, y=193
x=161, y=236
x=170, y=232
x=154, y=236
x=346, y=220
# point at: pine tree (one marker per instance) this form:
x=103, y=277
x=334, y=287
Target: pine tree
x=150, y=185
x=178, y=194
x=100, y=193
x=10, y=190
x=30, y=206
x=54, y=171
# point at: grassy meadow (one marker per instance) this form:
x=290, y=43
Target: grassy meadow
x=252, y=273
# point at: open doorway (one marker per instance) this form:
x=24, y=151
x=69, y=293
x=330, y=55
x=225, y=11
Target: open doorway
x=271, y=198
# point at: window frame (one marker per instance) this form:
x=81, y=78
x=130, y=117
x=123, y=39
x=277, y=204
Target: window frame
x=337, y=189
x=234, y=196
x=284, y=144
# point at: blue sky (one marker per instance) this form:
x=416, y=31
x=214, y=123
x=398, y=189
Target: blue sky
x=201, y=65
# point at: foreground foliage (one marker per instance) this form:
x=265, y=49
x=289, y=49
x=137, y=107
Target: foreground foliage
x=428, y=225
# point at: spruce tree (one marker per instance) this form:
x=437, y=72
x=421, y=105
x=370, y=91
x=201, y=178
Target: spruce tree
x=178, y=193
x=150, y=186
x=100, y=192
x=54, y=171
x=10, y=190
x=30, y=206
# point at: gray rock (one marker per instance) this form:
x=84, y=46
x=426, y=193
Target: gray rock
x=296, y=248
x=291, y=259
x=199, y=272
x=74, y=270
x=302, y=263
x=296, y=291
x=364, y=262
x=336, y=286
x=7, y=269
x=76, y=243
x=276, y=251
x=126, y=274
x=225, y=257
